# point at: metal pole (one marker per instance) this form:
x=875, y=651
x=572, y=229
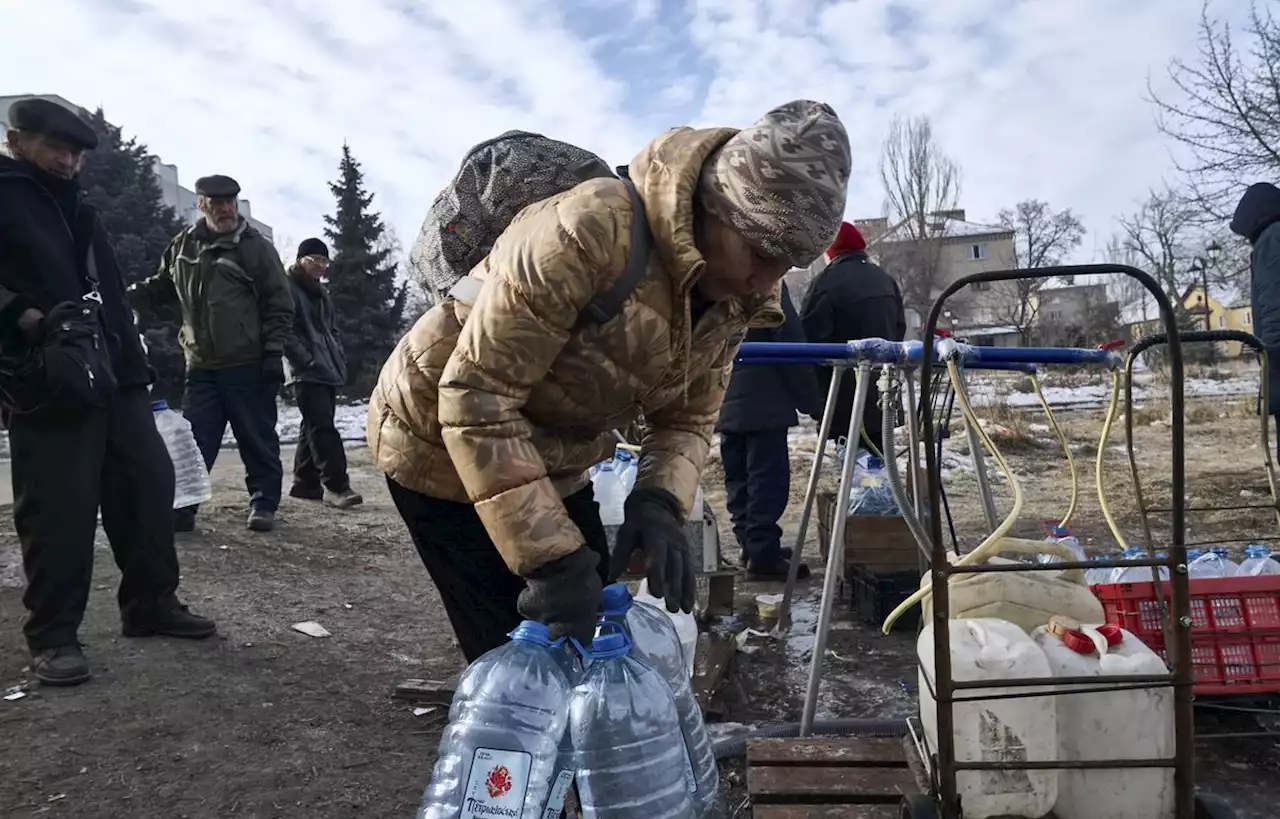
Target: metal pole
x=835, y=551
x=980, y=470
x=810, y=495
x=913, y=444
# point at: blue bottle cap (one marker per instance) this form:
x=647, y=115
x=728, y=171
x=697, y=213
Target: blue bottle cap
x=1192, y=554
x=533, y=633
x=1221, y=551
x=615, y=599
x=1059, y=531
x=874, y=463
x=610, y=645
x=159, y=406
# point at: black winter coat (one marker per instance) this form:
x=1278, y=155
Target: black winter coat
x=766, y=397
x=851, y=299
x=1257, y=218
x=44, y=251
x=314, y=352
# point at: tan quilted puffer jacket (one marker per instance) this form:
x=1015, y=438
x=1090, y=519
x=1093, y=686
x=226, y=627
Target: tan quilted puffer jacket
x=505, y=405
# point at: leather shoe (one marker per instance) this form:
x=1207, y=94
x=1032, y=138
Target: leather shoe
x=60, y=665
x=170, y=620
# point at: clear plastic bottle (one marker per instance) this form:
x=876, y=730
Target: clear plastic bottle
x=1229, y=567
x=871, y=494
x=624, y=463
x=608, y=493
x=1061, y=534
x=1099, y=575
x=499, y=754
x=628, y=747
x=191, y=485
x=1208, y=565
x=657, y=642
x=1132, y=574
x=685, y=624
x=1258, y=562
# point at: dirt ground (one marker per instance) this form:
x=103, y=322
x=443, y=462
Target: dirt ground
x=266, y=722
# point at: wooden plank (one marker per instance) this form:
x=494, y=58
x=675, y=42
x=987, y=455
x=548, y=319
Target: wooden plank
x=824, y=812
x=828, y=752
x=710, y=666
x=854, y=785
x=432, y=692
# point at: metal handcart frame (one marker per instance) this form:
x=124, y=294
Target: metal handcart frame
x=945, y=765
x=862, y=355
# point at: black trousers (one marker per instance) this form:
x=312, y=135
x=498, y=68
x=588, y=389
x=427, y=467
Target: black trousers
x=320, y=457
x=479, y=592
x=66, y=468
x=757, y=482
x=242, y=397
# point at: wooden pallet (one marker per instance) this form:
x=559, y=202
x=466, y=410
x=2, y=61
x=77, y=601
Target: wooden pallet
x=841, y=778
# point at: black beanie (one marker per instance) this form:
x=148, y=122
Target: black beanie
x=313, y=247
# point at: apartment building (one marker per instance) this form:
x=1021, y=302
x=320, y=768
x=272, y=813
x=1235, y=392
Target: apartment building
x=181, y=199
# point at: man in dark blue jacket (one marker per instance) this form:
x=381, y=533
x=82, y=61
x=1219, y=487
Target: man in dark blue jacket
x=759, y=407
x=1257, y=219
x=317, y=368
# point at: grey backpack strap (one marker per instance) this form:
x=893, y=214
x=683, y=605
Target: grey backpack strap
x=606, y=305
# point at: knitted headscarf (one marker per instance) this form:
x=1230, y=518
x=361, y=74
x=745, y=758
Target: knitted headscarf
x=782, y=182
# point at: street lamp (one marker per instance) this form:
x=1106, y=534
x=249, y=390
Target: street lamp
x=1214, y=250
x=1198, y=266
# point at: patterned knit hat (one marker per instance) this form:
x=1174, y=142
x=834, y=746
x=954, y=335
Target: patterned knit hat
x=782, y=183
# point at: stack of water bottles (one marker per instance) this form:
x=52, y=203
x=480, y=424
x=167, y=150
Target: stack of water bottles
x=529, y=718
x=871, y=494
x=1202, y=564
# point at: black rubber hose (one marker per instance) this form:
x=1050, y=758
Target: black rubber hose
x=734, y=747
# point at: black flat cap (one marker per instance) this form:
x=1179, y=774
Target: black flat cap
x=217, y=186
x=49, y=118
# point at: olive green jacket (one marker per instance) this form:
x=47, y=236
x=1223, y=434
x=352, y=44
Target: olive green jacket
x=235, y=299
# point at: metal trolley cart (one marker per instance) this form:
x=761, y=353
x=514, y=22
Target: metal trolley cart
x=941, y=762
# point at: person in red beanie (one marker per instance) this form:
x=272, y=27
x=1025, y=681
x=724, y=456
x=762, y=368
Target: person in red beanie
x=852, y=298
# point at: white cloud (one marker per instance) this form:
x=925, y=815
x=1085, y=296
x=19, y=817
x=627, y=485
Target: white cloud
x=1033, y=98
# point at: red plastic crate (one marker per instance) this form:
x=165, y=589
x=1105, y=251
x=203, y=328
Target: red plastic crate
x=1235, y=631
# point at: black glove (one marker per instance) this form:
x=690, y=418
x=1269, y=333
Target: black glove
x=651, y=524
x=565, y=595
x=273, y=369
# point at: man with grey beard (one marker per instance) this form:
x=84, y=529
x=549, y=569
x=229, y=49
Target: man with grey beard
x=237, y=316
x=73, y=392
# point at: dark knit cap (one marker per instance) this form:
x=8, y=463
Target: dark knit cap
x=312, y=247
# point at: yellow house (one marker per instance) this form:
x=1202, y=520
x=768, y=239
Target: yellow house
x=1227, y=310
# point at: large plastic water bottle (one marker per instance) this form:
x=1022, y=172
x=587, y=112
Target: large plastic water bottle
x=191, y=485
x=686, y=625
x=871, y=493
x=500, y=753
x=1209, y=564
x=657, y=642
x=625, y=465
x=1258, y=562
x=1229, y=567
x=629, y=749
x=1061, y=534
x=607, y=489
x=1099, y=575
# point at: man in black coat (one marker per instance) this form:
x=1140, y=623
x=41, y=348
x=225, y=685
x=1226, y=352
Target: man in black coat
x=759, y=407
x=74, y=378
x=317, y=368
x=852, y=298
x=1257, y=219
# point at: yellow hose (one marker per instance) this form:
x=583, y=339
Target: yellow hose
x=1066, y=450
x=992, y=543
x=1102, y=448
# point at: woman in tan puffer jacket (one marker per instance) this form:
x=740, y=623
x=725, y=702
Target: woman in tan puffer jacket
x=487, y=416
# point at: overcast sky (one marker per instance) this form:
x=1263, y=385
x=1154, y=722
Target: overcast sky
x=1034, y=98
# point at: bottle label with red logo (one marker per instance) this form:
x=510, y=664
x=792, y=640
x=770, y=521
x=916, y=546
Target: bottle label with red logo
x=497, y=784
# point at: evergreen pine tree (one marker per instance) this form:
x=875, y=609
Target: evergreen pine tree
x=119, y=182
x=367, y=301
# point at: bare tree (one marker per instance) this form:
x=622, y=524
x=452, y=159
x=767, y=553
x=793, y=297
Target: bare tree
x=1226, y=110
x=1163, y=238
x=920, y=182
x=1041, y=238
